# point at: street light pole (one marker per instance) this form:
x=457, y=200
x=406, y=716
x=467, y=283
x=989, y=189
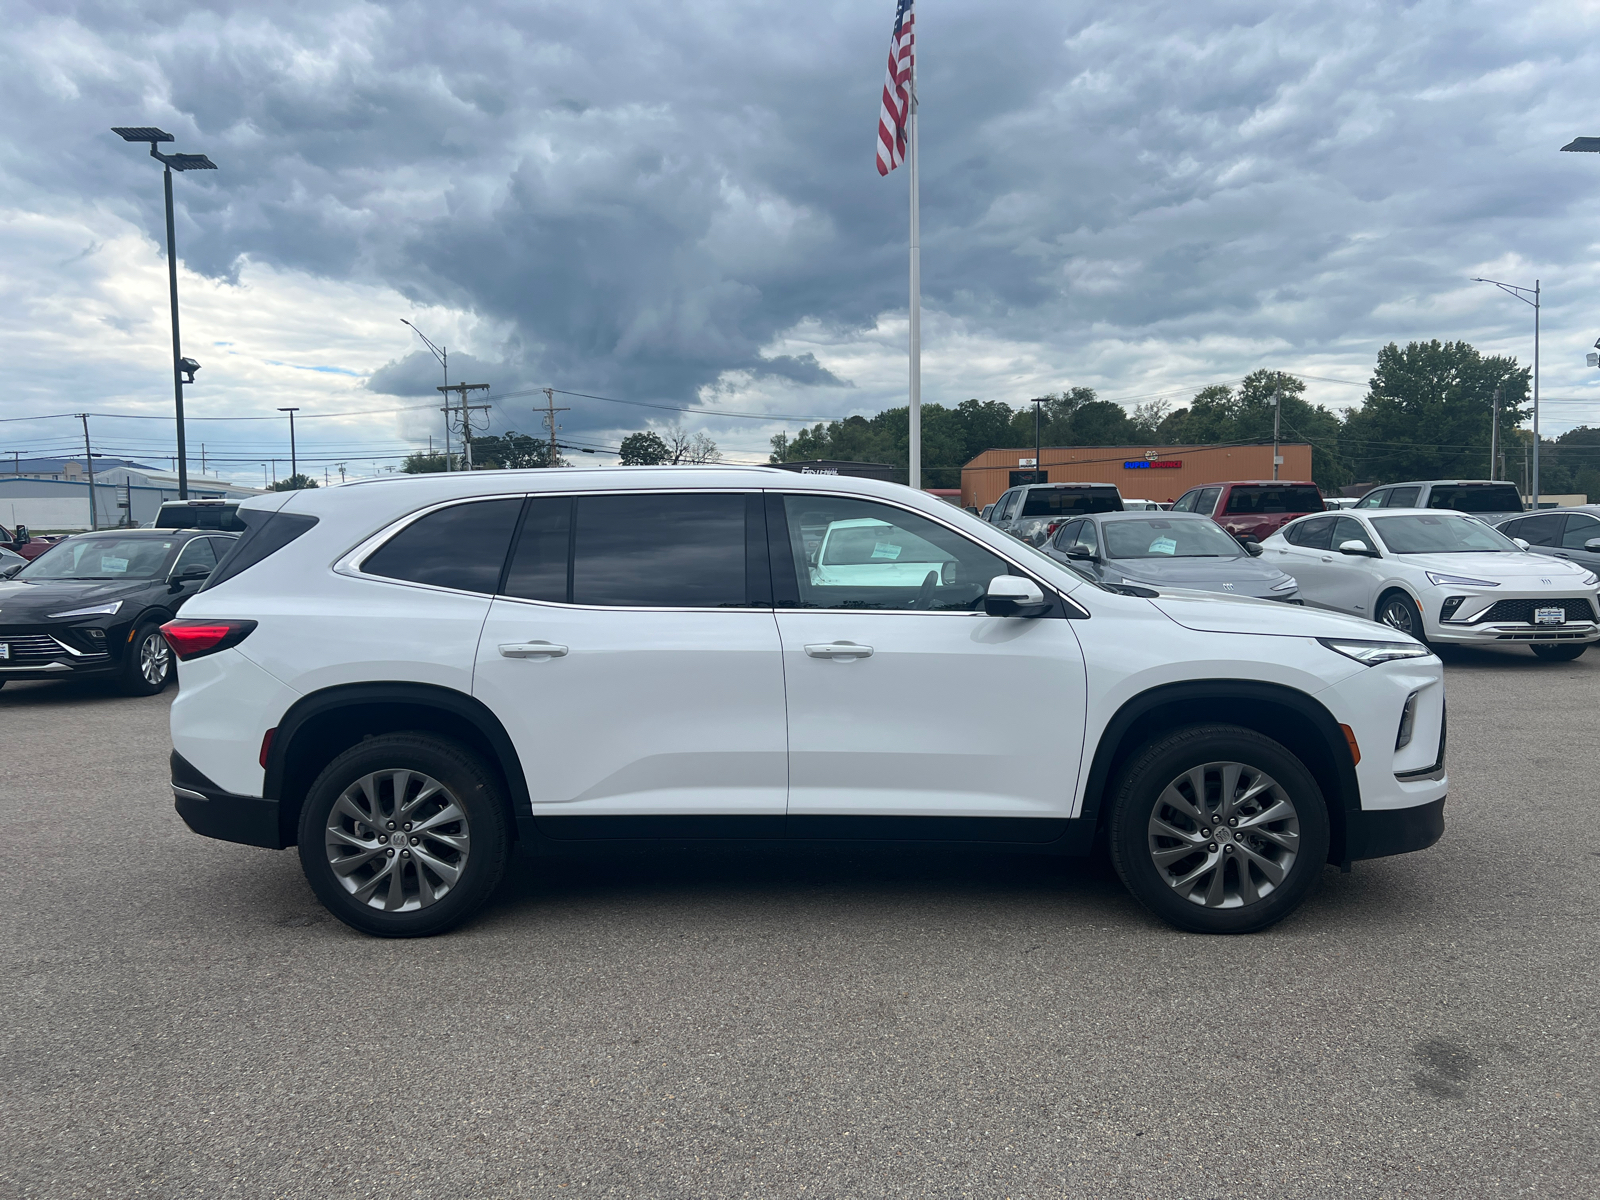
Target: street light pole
x=182, y=162
x=294, y=468
x=1522, y=293
x=1277, y=412
x=1038, y=403
x=443, y=356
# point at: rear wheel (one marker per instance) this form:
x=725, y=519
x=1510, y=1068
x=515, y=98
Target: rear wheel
x=148, y=668
x=404, y=835
x=1559, y=651
x=1218, y=829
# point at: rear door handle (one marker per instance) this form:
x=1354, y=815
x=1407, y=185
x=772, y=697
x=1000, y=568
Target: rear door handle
x=844, y=650
x=532, y=650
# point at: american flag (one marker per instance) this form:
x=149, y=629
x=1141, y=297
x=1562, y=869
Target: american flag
x=897, y=89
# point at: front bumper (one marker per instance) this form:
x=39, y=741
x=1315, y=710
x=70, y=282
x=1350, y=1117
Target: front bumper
x=214, y=813
x=54, y=653
x=1510, y=617
x=1489, y=634
x=1379, y=833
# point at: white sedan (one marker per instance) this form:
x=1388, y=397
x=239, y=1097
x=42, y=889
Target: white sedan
x=1443, y=577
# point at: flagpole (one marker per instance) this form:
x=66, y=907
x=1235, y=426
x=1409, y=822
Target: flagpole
x=915, y=474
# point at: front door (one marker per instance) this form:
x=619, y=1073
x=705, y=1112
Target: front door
x=634, y=659
x=911, y=712
x=1352, y=579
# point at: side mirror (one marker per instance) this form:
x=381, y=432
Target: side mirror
x=1358, y=548
x=1522, y=545
x=1014, y=596
x=1080, y=551
x=189, y=575
x=8, y=572
x=1252, y=548
x=1592, y=545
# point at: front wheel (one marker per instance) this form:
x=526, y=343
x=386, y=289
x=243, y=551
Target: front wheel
x=1218, y=829
x=148, y=668
x=404, y=835
x=1399, y=611
x=1559, y=651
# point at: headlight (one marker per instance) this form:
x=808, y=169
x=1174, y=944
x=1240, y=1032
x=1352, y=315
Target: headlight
x=1288, y=584
x=99, y=610
x=1372, y=653
x=1590, y=579
x=1440, y=580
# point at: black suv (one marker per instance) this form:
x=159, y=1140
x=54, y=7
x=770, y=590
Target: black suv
x=1034, y=511
x=93, y=605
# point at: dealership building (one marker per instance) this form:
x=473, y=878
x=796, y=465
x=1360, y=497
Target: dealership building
x=1140, y=472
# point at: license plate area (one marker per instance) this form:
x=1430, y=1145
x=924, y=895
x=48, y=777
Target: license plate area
x=1549, y=616
x=5, y=650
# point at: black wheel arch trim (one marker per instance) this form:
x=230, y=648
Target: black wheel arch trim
x=411, y=695
x=1115, y=743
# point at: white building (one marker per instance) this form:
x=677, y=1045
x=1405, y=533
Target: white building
x=53, y=493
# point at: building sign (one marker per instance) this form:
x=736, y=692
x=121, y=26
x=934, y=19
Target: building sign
x=1136, y=465
x=1027, y=462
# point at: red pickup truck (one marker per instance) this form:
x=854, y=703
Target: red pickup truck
x=21, y=542
x=1253, y=508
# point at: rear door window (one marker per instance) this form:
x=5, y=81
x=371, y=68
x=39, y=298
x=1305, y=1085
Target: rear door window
x=463, y=547
x=684, y=550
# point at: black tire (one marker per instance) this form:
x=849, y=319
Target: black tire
x=1399, y=611
x=148, y=666
x=1239, y=896
x=476, y=846
x=1559, y=651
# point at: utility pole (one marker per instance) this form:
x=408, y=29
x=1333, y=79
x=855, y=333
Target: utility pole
x=1038, y=403
x=466, y=412
x=202, y=458
x=1277, y=413
x=88, y=458
x=341, y=465
x=294, y=463
x=550, y=411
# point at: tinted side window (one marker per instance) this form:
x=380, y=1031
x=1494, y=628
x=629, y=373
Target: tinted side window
x=265, y=534
x=198, y=553
x=1206, y=501
x=1348, y=529
x=1090, y=537
x=1544, y=530
x=1317, y=533
x=1185, y=502
x=1067, y=535
x=1580, y=529
x=1403, y=497
x=541, y=563
x=1055, y=502
x=661, y=551
x=463, y=546
x=857, y=554
x=1371, y=500
x=1007, y=503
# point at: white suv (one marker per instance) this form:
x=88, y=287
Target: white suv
x=406, y=676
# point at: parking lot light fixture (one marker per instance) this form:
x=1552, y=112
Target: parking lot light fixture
x=1529, y=296
x=171, y=163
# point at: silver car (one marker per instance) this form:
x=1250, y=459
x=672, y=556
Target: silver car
x=1166, y=550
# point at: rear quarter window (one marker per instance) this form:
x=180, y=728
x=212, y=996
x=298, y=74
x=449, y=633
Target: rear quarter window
x=1057, y=502
x=463, y=547
x=265, y=534
x=1488, y=499
x=1265, y=501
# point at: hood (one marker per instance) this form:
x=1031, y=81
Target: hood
x=1180, y=572
x=1495, y=567
x=1207, y=612
x=21, y=601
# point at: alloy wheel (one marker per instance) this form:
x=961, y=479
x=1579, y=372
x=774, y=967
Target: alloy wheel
x=1397, y=615
x=397, y=840
x=155, y=659
x=1224, y=835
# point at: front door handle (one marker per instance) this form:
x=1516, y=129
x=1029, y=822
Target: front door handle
x=842, y=650
x=531, y=650
x=1327, y=558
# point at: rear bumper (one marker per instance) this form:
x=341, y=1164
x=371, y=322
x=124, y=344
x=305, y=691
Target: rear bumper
x=214, y=813
x=1378, y=833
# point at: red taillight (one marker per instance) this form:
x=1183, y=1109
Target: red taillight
x=195, y=639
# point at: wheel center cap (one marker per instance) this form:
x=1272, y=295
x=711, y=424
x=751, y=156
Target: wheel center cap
x=1222, y=832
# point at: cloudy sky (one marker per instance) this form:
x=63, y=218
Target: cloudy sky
x=675, y=203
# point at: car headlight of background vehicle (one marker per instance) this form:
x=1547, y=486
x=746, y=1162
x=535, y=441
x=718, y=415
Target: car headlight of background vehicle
x=1288, y=582
x=1590, y=579
x=1440, y=580
x=99, y=610
x=1372, y=653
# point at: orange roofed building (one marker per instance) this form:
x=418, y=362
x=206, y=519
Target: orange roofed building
x=1140, y=472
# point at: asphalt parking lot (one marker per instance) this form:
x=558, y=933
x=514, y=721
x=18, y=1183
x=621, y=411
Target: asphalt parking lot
x=182, y=1019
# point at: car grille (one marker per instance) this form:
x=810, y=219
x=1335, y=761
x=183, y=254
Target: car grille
x=32, y=648
x=1578, y=609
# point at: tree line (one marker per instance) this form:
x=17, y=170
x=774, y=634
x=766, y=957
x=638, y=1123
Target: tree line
x=1426, y=415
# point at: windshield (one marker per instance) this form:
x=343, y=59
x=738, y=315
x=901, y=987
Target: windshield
x=1442, y=534
x=1197, y=538
x=1274, y=500
x=1499, y=498
x=1064, y=502
x=109, y=557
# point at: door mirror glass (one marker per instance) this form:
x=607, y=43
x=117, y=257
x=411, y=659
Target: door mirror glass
x=1354, y=547
x=1080, y=550
x=1014, y=596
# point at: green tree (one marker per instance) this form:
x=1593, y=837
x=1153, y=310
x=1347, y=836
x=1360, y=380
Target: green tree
x=423, y=464
x=294, y=483
x=1570, y=463
x=644, y=450
x=1427, y=411
x=510, y=451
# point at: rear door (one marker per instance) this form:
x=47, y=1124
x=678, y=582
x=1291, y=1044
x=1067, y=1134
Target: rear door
x=893, y=675
x=633, y=657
